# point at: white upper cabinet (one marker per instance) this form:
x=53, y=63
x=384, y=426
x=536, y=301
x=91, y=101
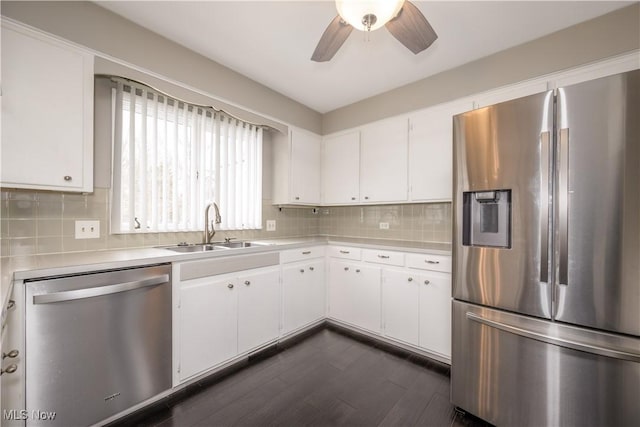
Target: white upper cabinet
x=383, y=161
x=430, y=152
x=510, y=92
x=296, y=168
x=341, y=169
x=47, y=113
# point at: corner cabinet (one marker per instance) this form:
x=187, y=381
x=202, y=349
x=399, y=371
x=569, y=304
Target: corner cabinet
x=296, y=168
x=47, y=112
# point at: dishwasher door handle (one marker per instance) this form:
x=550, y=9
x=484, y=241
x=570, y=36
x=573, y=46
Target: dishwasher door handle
x=99, y=290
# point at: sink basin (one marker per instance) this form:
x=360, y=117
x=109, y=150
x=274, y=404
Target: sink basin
x=195, y=247
x=204, y=247
x=231, y=245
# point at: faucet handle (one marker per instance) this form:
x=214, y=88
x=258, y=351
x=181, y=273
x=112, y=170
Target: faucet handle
x=229, y=239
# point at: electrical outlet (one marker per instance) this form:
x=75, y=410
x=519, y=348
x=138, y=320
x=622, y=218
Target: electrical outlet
x=271, y=225
x=87, y=229
x=384, y=226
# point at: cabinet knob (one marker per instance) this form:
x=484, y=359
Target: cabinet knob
x=366, y=197
x=426, y=282
x=246, y=282
x=410, y=279
x=297, y=198
x=358, y=271
x=10, y=369
x=353, y=198
x=230, y=286
x=67, y=178
x=346, y=269
x=302, y=270
x=311, y=268
x=12, y=354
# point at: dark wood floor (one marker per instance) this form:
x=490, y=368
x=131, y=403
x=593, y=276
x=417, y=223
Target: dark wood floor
x=328, y=379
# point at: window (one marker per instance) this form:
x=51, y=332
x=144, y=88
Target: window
x=171, y=159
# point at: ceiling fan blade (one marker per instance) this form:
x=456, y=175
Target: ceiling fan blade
x=412, y=29
x=331, y=40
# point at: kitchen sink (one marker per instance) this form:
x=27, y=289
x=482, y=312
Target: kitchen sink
x=194, y=247
x=232, y=245
x=205, y=247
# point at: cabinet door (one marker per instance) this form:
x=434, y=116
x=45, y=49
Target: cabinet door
x=303, y=296
x=258, y=308
x=340, y=289
x=400, y=305
x=364, y=297
x=430, y=148
x=383, y=161
x=305, y=167
x=435, y=313
x=208, y=324
x=47, y=113
x=341, y=169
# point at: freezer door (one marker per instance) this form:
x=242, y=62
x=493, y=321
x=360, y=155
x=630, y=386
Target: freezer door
x=519, y=371
x=598, y=210
x=504, y=150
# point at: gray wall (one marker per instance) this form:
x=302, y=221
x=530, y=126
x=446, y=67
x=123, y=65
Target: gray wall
x=89, y=25
x=603, y=37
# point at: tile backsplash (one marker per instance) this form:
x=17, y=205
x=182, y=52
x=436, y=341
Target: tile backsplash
x=41, y=222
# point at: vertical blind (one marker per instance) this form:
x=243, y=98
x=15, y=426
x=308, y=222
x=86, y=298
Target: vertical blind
x=171, y=159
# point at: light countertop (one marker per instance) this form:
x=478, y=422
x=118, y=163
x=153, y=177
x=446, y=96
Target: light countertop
x=28, y=267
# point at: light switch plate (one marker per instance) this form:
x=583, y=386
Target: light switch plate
x=88, y=229
x=271, y=225
x=384, y=226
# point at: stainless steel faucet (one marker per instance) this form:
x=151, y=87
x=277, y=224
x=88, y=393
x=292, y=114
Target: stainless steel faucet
x=209, y=233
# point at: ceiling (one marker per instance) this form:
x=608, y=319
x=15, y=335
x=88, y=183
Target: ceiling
x=271, y=41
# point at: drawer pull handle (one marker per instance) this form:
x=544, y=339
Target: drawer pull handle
x=428, y=261
x=311, y=268
x=383, y=256
x=426, y=282
x=12, y=354
x=10, y=369
x=306, y=252
x=345, y=252
x=230, y=286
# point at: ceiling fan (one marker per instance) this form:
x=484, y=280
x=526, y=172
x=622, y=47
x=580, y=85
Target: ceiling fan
x=403, y=20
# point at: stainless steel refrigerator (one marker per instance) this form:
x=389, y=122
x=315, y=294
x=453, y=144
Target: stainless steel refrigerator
x=546, y=252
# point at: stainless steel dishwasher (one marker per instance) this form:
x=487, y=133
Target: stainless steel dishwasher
x=96, y=344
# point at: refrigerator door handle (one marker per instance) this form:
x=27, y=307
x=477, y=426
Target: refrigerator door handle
x=555, y=340
x=563, y=199
x=544, y=206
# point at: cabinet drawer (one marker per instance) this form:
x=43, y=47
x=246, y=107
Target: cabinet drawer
x=430, y=262
x=293, y=255
x=345, y=252
x=383, y=257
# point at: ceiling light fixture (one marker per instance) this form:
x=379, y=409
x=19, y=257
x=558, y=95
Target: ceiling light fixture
x=368, y=15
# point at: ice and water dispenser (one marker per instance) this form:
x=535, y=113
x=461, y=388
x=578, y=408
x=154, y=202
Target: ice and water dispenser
x=487, y=218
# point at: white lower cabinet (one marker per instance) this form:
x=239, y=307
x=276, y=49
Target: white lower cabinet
x=417, y=309
x=435, y=312
x=400, y=306
x=354, y=294
x=208, y=324
x=258, y=309
x=303, y=294
x=223, y=316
